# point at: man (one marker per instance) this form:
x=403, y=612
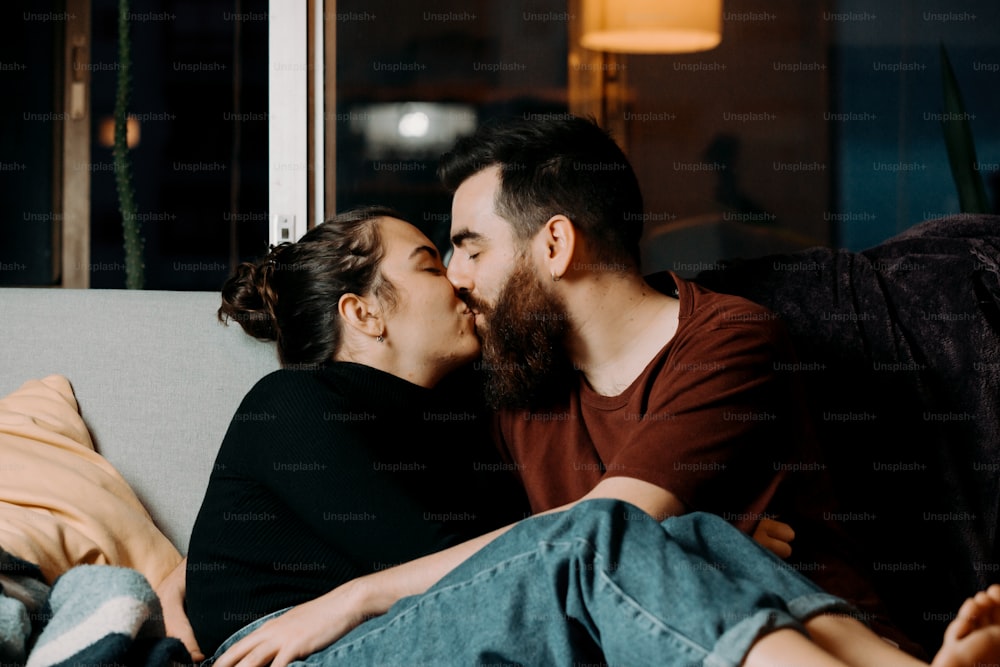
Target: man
x=659, y=392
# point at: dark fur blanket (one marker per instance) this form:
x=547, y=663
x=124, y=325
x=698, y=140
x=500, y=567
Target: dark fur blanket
x=900, y=353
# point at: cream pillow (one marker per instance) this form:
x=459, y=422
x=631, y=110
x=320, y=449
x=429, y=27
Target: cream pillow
x=61, y=503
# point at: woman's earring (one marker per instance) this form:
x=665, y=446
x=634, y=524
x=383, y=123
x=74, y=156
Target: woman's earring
x=380, y=338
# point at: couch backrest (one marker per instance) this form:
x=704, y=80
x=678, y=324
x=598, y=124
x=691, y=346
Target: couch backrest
x=156, y=375
x=900, y=352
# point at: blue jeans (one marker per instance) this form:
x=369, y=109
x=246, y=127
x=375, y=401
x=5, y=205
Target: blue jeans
x=601, y=583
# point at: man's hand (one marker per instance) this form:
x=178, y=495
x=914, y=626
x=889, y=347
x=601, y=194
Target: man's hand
x=171, y=593
x=775, y=536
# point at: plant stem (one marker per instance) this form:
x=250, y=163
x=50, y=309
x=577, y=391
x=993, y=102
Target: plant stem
x=123, y=171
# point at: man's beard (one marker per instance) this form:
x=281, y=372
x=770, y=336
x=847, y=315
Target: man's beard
x=523, y=343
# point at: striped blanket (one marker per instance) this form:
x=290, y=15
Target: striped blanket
x=91, y=615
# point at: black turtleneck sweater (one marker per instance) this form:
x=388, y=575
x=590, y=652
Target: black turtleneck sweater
x=325, y=475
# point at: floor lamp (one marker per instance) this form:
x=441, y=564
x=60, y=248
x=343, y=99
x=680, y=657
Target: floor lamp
x=604, y=32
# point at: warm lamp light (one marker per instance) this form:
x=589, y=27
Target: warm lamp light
x=651, y=26
x=106, y=132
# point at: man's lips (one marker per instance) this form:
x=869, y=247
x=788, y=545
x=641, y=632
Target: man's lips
x=471, y=309
x=477, y=318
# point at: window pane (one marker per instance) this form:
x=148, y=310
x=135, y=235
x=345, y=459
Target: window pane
x=199, y=94
x=413, y=77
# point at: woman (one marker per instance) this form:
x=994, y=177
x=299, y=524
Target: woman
x=315, y=484
x=599, y=581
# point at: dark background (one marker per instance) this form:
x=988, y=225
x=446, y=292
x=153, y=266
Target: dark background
x=197, y=216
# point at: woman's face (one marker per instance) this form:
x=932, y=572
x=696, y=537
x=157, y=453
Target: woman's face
x=429, y=326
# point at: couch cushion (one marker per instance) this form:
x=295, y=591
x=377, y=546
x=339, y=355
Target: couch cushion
x=61, y=503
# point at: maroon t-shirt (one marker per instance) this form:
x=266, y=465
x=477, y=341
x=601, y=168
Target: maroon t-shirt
x=718, y=419
x=711, y=418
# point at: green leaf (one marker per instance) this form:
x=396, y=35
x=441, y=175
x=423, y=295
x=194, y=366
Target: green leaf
x=959, y=143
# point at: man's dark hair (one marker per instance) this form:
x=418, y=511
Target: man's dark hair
x=565, y=165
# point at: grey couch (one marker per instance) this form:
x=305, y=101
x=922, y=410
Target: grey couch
x=156, y=375
x=158, y=379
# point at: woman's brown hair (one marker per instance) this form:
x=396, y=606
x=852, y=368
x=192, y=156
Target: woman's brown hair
x=291, y=296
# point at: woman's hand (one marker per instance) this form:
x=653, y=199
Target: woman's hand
x=314, y=625
x=171, y=593
x=775, y=536
x=301, y=631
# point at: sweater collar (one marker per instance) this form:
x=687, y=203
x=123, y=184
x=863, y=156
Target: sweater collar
x=377, y=388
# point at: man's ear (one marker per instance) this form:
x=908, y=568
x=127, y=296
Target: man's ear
x=361, y=314
x=559, y=238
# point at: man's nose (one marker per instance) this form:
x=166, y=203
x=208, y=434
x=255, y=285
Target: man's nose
x=459, y=275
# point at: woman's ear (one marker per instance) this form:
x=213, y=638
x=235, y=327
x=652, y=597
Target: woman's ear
x=559, y=237
x=361, y=314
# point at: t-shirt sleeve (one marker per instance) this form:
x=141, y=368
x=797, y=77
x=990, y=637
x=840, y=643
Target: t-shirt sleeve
x=716, y=425
x=312, y=455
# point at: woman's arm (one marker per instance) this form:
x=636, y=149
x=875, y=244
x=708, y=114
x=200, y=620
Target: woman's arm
x=171, y=593
x=314, y=625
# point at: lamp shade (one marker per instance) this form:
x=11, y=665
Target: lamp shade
x=651, y=26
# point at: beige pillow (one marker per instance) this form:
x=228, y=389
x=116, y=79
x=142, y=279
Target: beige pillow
x=61, y=503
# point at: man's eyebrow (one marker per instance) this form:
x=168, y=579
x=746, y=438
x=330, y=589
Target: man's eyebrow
x=424, y=248
x=460, y=237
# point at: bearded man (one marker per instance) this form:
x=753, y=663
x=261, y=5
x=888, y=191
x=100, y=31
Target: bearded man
x=654, y=391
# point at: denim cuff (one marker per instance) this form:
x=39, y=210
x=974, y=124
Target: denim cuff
x=732, y=647
x=806, y=606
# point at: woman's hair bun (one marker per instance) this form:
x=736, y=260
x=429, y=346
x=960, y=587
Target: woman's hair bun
x=248, y=299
